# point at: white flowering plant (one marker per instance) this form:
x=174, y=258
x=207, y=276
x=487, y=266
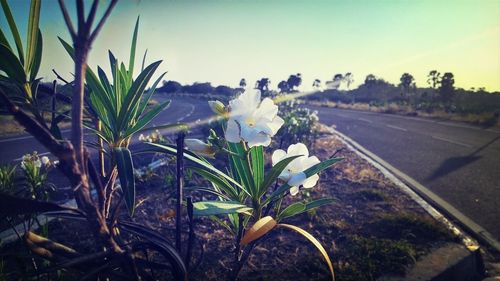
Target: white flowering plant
x=247, y=193
x=301, y=124
x=36, y=169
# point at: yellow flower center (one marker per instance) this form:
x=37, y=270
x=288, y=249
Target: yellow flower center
x=250, y=121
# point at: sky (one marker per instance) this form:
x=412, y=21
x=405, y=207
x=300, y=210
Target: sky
x=223, y=41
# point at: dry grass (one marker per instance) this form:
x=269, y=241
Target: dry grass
x=483, y=119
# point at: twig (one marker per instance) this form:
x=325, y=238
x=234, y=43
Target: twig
x=103, y=19
x=180, y=184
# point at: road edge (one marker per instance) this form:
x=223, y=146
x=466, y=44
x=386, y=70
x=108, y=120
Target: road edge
x=427, y=199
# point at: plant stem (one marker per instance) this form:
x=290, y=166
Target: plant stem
x=180, y=183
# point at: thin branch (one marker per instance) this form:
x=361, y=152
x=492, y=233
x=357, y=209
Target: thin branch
x=101, y=22
x=90, y=18
x=80, y=10
x=60, y=77
x=67, y=20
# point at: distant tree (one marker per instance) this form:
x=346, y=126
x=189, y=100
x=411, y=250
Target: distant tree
x=283, y=87
x=294, y=81
x=433, y=78
x=316, y=84
x=243, y=83
x=170, y=87
x=407, y=82
x=263, y=84
x=447, y=88
x=224, y=90
x=370, y=80
x=198, y=88
x=348, y=79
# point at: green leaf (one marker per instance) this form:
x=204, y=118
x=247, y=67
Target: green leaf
x=276, y=170
x=135, y=93
x=318, y=203
x=33, y=40
x=309, y=172
x=240, y=163
x=146, y=118
x=195, y=159
x=37, y=59
x=148, y=95
x=125, y=167
x=69, y=49
x=257, y=161
x=144, y=60
x=292, y=210
x=211, y=208
x=13, y=30
x=315, y=242
x=132, y=52
x=11, y=65
x=218, y=181
x=3, y=40
x=104, y=80
x=208, y=190
x=301, y=207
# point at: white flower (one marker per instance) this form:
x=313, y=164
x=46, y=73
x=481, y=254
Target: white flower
x=37, y=163
x=251, y=120
x=45, y=161
x=200, y=147
x=141, y=137
x=294, y=174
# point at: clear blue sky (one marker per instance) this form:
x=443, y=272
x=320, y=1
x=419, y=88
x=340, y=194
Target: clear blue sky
x=224, y=41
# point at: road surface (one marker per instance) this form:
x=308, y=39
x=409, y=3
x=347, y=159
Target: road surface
x=458, y=162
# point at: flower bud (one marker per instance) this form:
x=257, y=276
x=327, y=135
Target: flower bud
x=45, y=161
x=200, y=147
x=217, y=107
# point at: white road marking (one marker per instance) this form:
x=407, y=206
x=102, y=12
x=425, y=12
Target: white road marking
x=187, y=115
x=459, y=125
x=397, y=128
x=451, y=141
x=493, y=131
x=366, y=120
x=26, y=137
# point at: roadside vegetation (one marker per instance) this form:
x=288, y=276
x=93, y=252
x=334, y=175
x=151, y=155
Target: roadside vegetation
x=264, y=194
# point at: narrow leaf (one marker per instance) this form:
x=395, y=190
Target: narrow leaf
x=37, y=59
x=218, y=181
x=125, y=167
x=257, y=161
x=13, y=30
x=11, y=65
x=276, y=170
x=259, y=229
x=32, y=41
x=309, y=172
x=144, y=120
x=132, y=52
x=314, y=241
x=292, y=210
x=210, y=208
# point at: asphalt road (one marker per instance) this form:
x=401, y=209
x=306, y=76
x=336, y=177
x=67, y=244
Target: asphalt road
x=458, y=162
x=185, y=110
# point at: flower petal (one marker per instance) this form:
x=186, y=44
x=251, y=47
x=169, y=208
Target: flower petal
x=298, y=149
x=294, y=190
x=277, y=156
x=297, y=179
x=311, y=181
x=232, y=131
